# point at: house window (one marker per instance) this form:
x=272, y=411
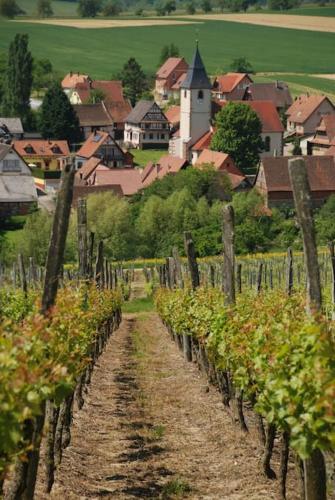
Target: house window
x=200, y=95
x=151, y=136
x=162, y=136
x=143, y=136
x=56, y=150
x=11, y=166
x=185, y=93
x=267, y=143
x=29, y=150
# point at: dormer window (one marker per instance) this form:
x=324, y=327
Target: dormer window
x=56, y=150
x=200, y=95
x=29, y=150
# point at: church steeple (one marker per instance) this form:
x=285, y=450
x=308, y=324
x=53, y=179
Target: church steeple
x=196, y=77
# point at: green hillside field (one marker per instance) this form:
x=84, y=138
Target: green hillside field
x=102, y=52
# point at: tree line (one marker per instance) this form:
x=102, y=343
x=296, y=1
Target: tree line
x=113, y=8
x=151, y=222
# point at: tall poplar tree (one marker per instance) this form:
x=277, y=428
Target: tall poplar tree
x=18, y=79
x=58, y=119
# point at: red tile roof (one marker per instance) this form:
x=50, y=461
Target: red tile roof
x=167, y=164
x=204, y=142
x=266, y=112
x=72, y=79
x=304, y=106
x=173, y=115
x=112, y=90
x=228, y=82
x=327, y=125
x=223, y=163
x=41, y=148
x=219, y=160
x=128, y=178
x=88, y=168
x=118, y=111
x=177, y=84
x=90, y=115
x=169, y=66
x=92, y=144
x=320, y=170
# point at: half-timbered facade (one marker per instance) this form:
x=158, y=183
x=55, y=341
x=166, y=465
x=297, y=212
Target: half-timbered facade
x=147, y=127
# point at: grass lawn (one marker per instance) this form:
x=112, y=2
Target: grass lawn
x=143, y=156
x=102, y=52
x=303, y=83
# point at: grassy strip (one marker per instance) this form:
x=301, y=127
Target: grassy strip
x=143, y=304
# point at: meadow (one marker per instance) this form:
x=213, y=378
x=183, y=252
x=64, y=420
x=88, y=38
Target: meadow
x=102, y=52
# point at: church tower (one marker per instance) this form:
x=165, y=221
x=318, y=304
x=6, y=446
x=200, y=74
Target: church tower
x=195, y=105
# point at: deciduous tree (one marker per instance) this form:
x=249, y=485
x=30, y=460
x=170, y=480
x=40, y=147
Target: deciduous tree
x=241, y=65
x=10, y=9
x=168, y=51
x=239, y=134
x=89, y=8
x=44, y=8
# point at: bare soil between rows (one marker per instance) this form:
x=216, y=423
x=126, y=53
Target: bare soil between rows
x=151, y=425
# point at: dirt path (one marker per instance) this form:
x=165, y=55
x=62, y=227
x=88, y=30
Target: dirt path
x=151, y=428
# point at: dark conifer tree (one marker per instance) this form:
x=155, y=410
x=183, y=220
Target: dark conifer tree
x=58, y=119
x=133, y=80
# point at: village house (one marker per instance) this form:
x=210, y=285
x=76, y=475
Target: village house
x=146, y=127
x=10, y=128
x=121, y=181
x=231, y=86
x=169, y=78
x=276, y=92
x=43, y=154
x=304, y=115
x=72, y=79
x=167, y=164
x=111, y=91
x=103, y=116
x=324, y=137
x=222, y=162
x=18, y=194
x=103, y=146
x=273, y=180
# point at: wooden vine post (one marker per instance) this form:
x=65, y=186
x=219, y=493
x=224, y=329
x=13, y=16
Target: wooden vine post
x=332, y=264
x=228, y=255
x=314, y=466
x=228, y=231
x=195, y=282
x=82, y=238
x=178, y=269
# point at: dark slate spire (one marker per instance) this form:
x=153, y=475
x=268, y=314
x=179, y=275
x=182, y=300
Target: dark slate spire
x=196, y=77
